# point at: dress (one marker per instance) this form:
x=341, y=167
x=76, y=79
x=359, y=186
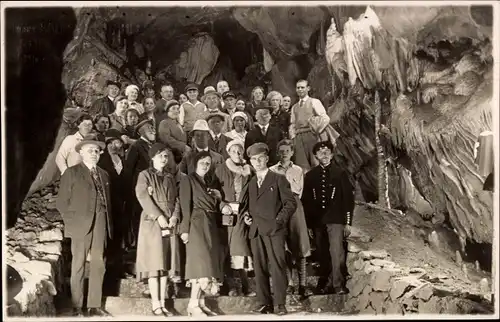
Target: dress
x=202, y=220
x=157, y=194
x=298, y=238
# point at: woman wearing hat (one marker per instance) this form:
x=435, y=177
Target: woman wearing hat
x=200, y=232
x=239, y=131
x=118, y=118
x=157, y=194
x=234, y=175
x=101, y=125
x=242, y=107
x=256, y=98
x=148, y=89
x=171, y=133
x=132, y=93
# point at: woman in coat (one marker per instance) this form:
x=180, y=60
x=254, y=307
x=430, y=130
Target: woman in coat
x=157, y=193
x=234, y=176
x=118, y=120
x=298, y=243
x=200, y=232
x=171, y=133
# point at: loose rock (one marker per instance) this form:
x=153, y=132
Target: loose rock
x=364, y=298
x=399, y=288
x=394, y=308
x=49, y=248
x=432, y=306
x=458, y=257
x=368, y=269
x=425, y=292
x=381, y=280
x=54, y=234
x=382, y=263
x=377, y=301
x=371, y=254
x=353, y=248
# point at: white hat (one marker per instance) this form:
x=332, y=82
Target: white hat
x=129, y=88
x=240, y=114
x=201, y=125
x=209, y=88
x=235, y=142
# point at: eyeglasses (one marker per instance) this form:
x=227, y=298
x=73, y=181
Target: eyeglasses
x=260, y=158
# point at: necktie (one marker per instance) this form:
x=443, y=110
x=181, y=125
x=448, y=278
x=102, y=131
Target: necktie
x=216, y=143
x=97, y=182
x=259, y=181
x=263, y=130
x=301, y=103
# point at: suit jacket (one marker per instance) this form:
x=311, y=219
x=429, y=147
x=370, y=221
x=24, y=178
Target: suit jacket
x=137, y=160
x=270, y=206
x=77, y=200
x=221, y=149
x=328, y=196
x=117, y=181
x=102, y=105
x=187, y=166
x=272, y=138
x=172, y=135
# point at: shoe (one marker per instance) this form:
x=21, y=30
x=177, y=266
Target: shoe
x=195, y=311
x=340, y=290
x=305, y=292
x=95, y=311
x=264, y=309
x=250, y=294
x=146, y=294
x=233, y=293
x=166, y=312
x=281, y=310
x=157, y=312
x=78, y=312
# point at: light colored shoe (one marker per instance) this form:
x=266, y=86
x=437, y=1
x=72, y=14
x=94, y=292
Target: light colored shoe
x=195, y=311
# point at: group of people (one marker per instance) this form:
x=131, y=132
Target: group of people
x=205, y=190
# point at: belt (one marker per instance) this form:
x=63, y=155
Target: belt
x=303, y=130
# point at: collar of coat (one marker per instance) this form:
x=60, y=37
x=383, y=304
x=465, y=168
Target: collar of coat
x=241, y=170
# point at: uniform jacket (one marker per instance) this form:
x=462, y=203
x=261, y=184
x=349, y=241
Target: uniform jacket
x=272, y=138
x=328, y=196
x=272, y=202
x=77, y=200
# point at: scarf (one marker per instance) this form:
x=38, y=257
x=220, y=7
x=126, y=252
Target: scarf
x=243, y=170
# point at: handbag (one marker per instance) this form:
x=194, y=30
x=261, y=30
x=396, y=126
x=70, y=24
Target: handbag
x=230, y=220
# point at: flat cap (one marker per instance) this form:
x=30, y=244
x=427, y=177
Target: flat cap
x=191, y=86
x=257, y=148
x=322, y=144
x=228, y=94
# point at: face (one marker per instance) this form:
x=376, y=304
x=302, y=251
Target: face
x=203, y=165
x=302, y=89
x=116, y=146
x=258, y=94
x=182, y=98
x=236, y=153
x=201, y=139
x=102, y=124
x=212, y=101
x=90, y=153
x=160, y=160
x=132, y=95
x=192, y=94
x=173, y=112
x=132, y=119
x=215, y=124
x=286, y=102
x=121, y=106
x=324, y=156
x=149, y=132
x=240, y=105
x=239, y=124
x=259, y=162
x=275, y=102
x=263, y=119
x=230, y=102
x=149, y=104
x=285, y=152
x=113, y=90
x=167, y=92
x=222, y=87
x=85, y=127
x=150, y=92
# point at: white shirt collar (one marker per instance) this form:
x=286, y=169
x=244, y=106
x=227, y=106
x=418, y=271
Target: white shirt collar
x=112, y=99
x=89, y=166
x=264, y=127
x=304, y=99
x=262, y=174
x=202, y=150
x=214, y=136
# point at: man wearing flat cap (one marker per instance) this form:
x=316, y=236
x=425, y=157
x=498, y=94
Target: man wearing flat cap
x=266, y=133
x=192, y=110
x=84, y=202
x=105, y=105
x=267, y=207
x=217, y=141
x=213, y=102
x=328, y=200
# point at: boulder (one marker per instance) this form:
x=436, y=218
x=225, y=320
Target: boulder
x=353, y=248
x=55, y=234
x=432, y=306
x=378, y=300
x=368, y=269
x=49, y=248
x=393, y=308
x=364, y=298
x=381, y=280
x=399, y=287
x=425, y=292
x=382, y=263
x=357, y=284
x=372, y=254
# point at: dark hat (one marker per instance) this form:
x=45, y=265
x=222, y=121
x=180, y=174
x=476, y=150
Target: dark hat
x=142, y=123
x=228, y=94
x=90, y=139
x=322, y=144
x=148, y=84
x=191, y=86
x=112, y=134
x=257, y=148
x=217, y=114
x=110, y=82
x=156, y=148
x=170, y=104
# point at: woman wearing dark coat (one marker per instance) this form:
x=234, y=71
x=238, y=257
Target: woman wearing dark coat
x=156, y=249
x=200, y=231
x=233, y=176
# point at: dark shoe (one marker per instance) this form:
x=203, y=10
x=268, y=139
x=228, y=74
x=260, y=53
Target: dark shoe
x=281, y=310
x=78, y=312
x=146, y=294
x=95, y=311
x=340, y=290
x=264, y=309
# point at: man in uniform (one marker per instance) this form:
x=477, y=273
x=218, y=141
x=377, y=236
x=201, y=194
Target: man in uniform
x=328, y=200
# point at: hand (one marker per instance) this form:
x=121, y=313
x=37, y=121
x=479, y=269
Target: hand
x=185, y=238
x=162, y=221
x=226, y=210
x=125, y=139
x=280, y=222
x=311, y=233
x=172, y=222
x=248, y=220
x=150, y=190
x=215, y=193
x=347, y=231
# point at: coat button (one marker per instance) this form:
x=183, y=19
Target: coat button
x=323, y=207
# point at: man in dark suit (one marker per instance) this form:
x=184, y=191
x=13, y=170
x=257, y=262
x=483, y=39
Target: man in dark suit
x=268, y=205
x=328, y=200
x=265, y=133
x=105, y=105
x=167, y=94
x=217, y=141
x=84, y=202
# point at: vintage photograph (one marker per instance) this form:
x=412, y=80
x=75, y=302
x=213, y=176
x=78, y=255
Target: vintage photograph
x=244, y=160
